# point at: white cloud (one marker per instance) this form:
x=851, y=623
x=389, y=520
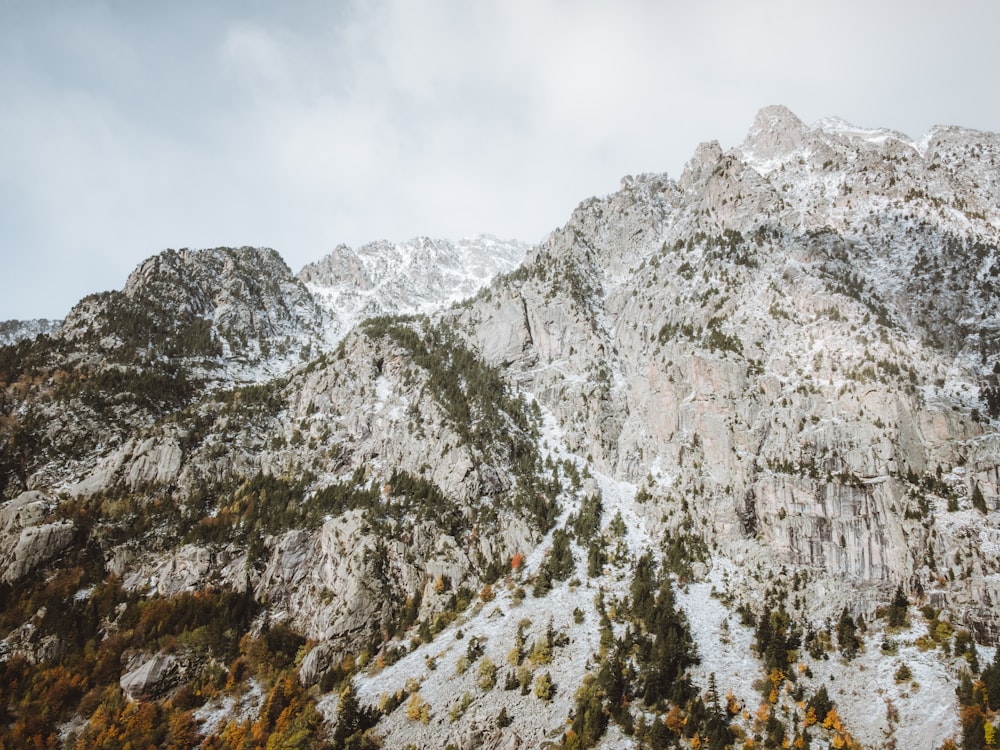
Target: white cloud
x=126, y=129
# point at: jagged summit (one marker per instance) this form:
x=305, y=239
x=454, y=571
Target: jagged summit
x=419, y=275
x=776, y=132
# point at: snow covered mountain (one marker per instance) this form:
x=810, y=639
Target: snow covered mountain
x=419, y=276
x=715, y=465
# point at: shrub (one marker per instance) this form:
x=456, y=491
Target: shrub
x=486, y=674
x=544, y=688
x=417, y=709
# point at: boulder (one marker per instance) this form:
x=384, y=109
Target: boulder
x=153, y=678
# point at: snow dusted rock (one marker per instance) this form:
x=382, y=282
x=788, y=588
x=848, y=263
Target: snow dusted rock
x=776, y=133
x=228, y=313
x=418, y=276
x=757, y=336
x=787, y=359
x=28, y=642
x=12, y=331
x=700, y=166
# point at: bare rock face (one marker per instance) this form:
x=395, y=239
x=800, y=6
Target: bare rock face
x=700, y=166
x=27, y=509
x=25, y=542
x=191, y=567
x=342, y=583
x=37, y=545
x=139, y=463
x=318, y=661
x=505, y=336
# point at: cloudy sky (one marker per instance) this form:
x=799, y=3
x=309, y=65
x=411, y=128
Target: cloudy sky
x=127, y=127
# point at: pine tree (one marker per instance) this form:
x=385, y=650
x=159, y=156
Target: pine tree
x=847, y=635
x=820, y=704
x=596, y=557
x=897, y=610
x=348, y=716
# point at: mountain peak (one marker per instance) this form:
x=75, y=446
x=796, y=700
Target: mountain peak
x=776, y=132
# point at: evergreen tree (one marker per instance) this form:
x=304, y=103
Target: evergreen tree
x=664, y=660
x=820, y=703
x=590, y=721
x=643, y=588
x=847, y=635
x=352, y=722
x=991, y=681
x=898, y=608
x=596, y=557
x=543, y=581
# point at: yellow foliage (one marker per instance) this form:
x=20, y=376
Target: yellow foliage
x=674, y=720
x=733, y=706
x=417, y=709
x=810, y=718
x=832, y=720
x=541, y=653
x=838, y=742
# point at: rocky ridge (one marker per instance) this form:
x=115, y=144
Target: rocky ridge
x=418, y=276
x=12, y=331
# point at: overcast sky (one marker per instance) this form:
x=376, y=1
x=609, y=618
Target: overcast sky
x=129, y=127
